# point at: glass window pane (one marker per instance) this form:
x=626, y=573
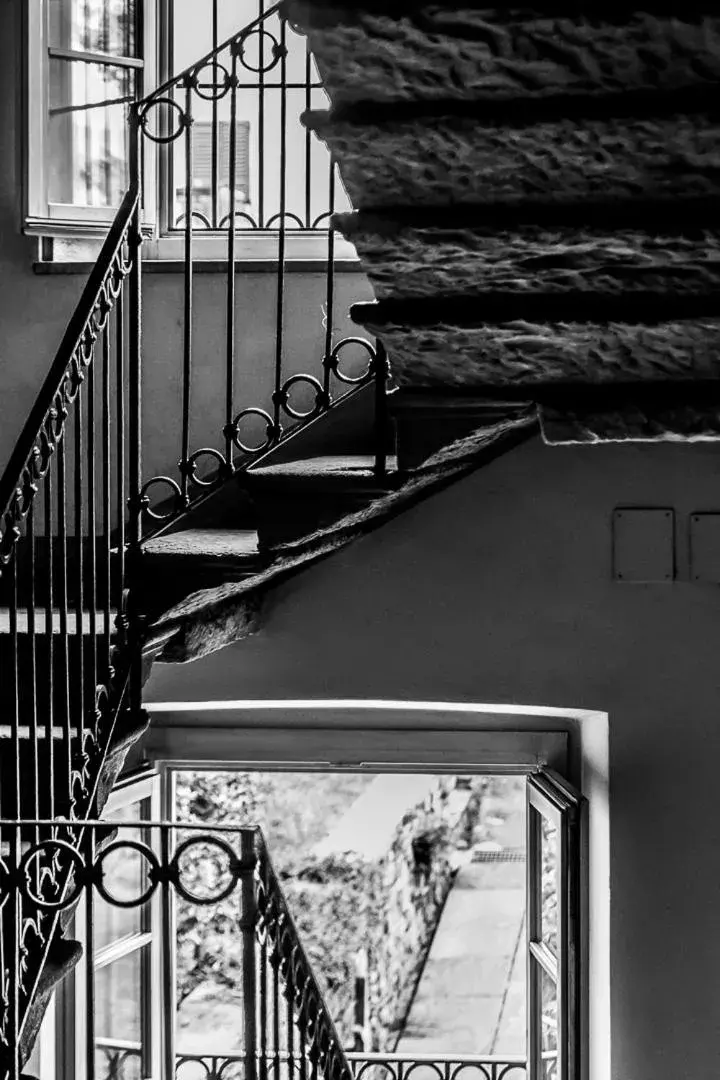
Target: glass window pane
x=126, y=878
x=118, y=999
x=87, y=132
x=107, y=26
x=549, y=855
x=548, y=1026
x=117, y=1062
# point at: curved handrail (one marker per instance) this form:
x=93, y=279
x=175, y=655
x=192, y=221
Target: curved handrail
x=273, y=915
x=31, y=454
x=191, y=69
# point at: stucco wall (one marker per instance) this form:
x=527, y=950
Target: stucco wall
x=499, y=590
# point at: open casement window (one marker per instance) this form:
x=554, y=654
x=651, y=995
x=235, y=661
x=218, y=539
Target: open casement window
x=117, y=980
x=86, y=63
x=553, y=942
x=125, y=953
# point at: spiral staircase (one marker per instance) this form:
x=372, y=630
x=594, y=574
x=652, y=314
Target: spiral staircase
x=536, y=207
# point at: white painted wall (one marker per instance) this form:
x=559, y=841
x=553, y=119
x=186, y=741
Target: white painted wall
x=499, y=590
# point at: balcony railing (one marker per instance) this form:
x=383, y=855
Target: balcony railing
x=121, y=1058
x=117, y=888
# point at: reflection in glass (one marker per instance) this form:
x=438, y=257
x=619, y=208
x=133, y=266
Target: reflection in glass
x=107, y=26
x=118, y=998
x=125, y=876
x=548, y=1026
x=87, y=132
x=549, y=855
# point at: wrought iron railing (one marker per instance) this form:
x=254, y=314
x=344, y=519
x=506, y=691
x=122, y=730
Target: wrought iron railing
x=66, y=626
x=75, y=506
x=121, y=897
x=255, y=73
x=119, y=1060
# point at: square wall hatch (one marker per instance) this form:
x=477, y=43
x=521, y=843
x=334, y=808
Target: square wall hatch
x=705, y=548
x=643, y=544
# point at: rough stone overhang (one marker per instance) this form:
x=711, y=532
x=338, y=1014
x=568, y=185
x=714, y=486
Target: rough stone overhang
x=537, y=191
x=213, y=618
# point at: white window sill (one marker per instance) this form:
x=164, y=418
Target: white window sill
x=257, y=252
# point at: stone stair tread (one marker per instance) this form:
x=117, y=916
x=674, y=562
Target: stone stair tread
x=519, y=354
x=211, y=544
x=336, y=470
x=429, y=260
x=388, y=160
x=470, y=50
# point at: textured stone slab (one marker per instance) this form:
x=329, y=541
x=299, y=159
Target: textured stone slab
x=492, y=53
x=521, y=353
x=424, y=261
x=685, y=420
x=436, y=160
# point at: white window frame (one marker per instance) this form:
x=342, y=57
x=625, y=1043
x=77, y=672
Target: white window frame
x=61, y=1038
x=41, y=217
x=78, y=223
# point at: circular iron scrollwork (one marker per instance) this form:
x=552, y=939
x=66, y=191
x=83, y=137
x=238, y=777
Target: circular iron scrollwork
x=218, y=87
x=153, y=874
x=174, y=488
x=282, y=397
x=183, y=120
x=333, y=361
x=271, y=432
x=192, y=466
x=29, y=871
x=277, y=51
x=230, y=872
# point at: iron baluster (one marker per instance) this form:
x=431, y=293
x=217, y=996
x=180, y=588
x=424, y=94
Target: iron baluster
x=64, y=672
x=308, y=154
x=329, y=289
x=185, y=464
x=77, y=677
x=232, y=232
x=89, y=956
x=261, y=115
x=32, y=674
x=92, y=599
x=168, y=974
x=290, y=1015
x=249, y=966
x=262, y=1006
x=49, y=635
x=381, y=409
x=106, y=591
x=120, y=446
x=214, y=178
x=279, y=397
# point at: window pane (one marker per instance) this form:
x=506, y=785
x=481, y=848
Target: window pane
x=548, y=1026
x=117, y=1063
x=125, y=877
x=87, y=132
x=549, y=882
x=118, y=999
x=93, y=25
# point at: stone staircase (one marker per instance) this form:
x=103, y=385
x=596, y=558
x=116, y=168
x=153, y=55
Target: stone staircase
x=205, y=582
x=536, y=193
